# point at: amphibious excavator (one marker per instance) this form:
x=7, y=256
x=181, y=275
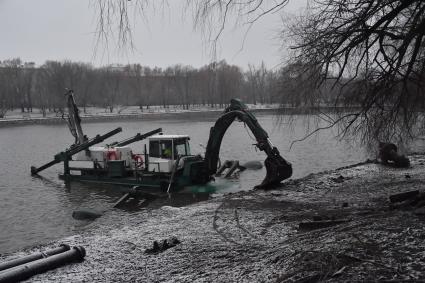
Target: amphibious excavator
x=168, y=163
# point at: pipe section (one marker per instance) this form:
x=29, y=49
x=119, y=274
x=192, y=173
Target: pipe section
x=27, y=270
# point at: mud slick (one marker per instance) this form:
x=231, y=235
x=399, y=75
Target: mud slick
x=256, y=236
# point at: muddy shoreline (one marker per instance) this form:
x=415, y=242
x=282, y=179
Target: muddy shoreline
x=255, y=236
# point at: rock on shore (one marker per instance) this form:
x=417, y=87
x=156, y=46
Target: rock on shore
x=255, y=236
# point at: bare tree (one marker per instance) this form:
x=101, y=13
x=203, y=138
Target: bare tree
x=43, y=87
x=85, y=84
x=56, y=82
x=13, y=72
x=182, y=77
x=4, y=107
x=112, y=79
x=372, y=51
x=257, y=80
x=40, y=91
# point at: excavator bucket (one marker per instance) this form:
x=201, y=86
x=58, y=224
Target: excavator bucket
x=278, y=169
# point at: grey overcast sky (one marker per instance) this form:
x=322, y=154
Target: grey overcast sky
x=65, y=30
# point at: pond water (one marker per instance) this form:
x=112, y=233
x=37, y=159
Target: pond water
x=36, y=210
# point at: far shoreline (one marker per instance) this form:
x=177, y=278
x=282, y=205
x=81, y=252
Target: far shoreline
x=8, y=122
x=179, y=114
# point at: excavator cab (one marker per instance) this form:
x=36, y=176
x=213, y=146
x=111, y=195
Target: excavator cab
x=164, y=150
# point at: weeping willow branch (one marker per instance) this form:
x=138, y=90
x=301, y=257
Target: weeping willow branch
x=329, y=126
x=116, y=20
x=212, y=17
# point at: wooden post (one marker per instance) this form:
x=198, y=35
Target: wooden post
x=66, y=166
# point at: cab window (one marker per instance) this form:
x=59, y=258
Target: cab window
x=181, y=148
x=154, y=149
x=166, y=149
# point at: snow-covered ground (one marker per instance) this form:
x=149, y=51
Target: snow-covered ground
x=17, y=117
x=255, y=236
x=124, y=110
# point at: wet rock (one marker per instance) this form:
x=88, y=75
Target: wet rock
x=162, y=245
x=338, y=179
x=86, y=214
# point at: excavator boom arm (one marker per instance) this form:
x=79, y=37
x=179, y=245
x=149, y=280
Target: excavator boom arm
x=74, y=119
x=277, y=168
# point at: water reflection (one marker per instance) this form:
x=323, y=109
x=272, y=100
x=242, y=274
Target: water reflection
x=103, y=197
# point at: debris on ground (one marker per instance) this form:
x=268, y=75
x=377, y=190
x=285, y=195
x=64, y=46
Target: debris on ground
x=311, y=225
x=388, y=154
x=162, y=245
x=338, y=179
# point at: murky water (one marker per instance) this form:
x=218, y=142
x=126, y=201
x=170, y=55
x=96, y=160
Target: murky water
x=36, y=210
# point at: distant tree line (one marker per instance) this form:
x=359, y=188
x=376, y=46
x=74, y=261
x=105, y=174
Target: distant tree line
x=24, y=86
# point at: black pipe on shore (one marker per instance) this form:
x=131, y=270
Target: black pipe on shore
x=15, y=262
x=32, y=268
